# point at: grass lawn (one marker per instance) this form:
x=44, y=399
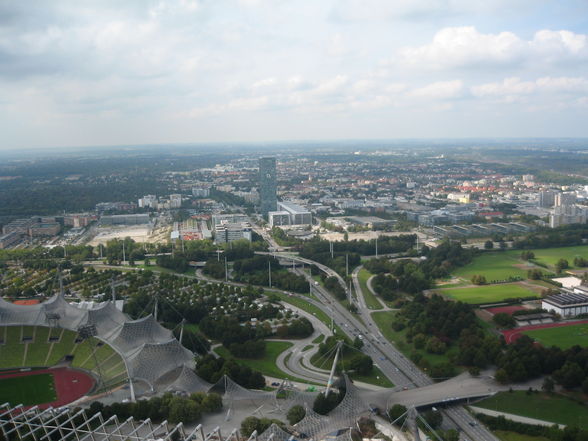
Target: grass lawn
x=500, y=265
x=376, y=376
x=311, y=309
x=550, y=256
x=29, y=390
x=542, y=406
x=505, y=435
x=319, y=339
x=488, y=293
x=563, y=337
x=384, y=321
x=493, y=266
x=370, y=300
x=267, y=364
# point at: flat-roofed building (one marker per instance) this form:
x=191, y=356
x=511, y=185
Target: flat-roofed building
x=233, y=218
x=44, y=229
x=567, y=303
x=125, y=219
x=10, y=239
x=290, y=213
x=228, y=232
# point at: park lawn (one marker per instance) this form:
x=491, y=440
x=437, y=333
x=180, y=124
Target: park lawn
x=554, y=408
x=267, y=364
x=563, y=337
x=550, y=256
x=488, y=293
x=28, y=390
x=505, y=435
x=493, y=266
x=376, y=376
x=318, y=339
x=370, y=299
x=311, y=309
x=384, y=320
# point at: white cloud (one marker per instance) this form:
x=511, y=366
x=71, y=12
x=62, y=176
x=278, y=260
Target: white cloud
x=439, y=90
x=456, y=47
x=515, y=86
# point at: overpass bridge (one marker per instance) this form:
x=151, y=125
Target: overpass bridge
x=462, y=388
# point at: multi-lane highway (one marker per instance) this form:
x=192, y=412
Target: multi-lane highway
x=403, y=372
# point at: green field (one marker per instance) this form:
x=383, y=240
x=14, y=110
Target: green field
x=376, y=376
x=542, y=406
x=550, y=256
x=493, y=266
x=267, y=364
x=384, y=320
x=29, y=390
x=501, y=265
x=563, y=337
x=488, y=293
x=371, y=300
x=40, y=352
x=505, y=435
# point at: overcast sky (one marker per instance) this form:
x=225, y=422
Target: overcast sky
x=108, y=72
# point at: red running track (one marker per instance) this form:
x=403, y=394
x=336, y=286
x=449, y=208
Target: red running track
x=511, y=335
x=70, y=384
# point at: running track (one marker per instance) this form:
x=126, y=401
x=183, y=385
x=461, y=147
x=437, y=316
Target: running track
x=511, y=335
x=70, y=384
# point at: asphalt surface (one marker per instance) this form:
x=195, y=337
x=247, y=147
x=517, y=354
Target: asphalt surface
x=401, y=371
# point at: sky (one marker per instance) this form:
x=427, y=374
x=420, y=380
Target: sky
x=111, y=72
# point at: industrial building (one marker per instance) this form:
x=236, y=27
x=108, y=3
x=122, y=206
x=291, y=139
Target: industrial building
x=289, y=214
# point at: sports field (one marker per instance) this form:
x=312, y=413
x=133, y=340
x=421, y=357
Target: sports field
x=494, y=266
x=29, y=390
x=550, y=256
x=504, y=264
x=488, y=293
x=563, y=337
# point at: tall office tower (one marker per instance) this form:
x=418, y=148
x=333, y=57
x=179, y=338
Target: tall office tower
x=267, y=185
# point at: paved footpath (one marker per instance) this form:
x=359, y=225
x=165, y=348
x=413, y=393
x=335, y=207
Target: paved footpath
x=513, y=417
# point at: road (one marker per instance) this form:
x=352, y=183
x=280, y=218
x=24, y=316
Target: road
x=403, y=372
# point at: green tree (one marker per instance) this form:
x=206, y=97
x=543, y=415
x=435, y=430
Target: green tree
x=488, y=245
x=362, y=364
x=396, y=412
x=295, y=414
x=548, y=384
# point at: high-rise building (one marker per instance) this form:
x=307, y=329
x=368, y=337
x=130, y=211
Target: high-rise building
x=566, y=198
x=267, y=185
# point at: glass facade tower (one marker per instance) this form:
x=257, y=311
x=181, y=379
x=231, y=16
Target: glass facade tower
x=267, y=185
